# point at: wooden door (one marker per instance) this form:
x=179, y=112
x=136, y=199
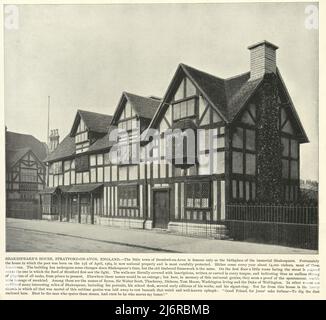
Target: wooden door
x=161, y=209
x=74, y=209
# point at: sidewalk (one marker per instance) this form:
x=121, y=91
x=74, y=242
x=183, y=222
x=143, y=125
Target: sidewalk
x=147, y=239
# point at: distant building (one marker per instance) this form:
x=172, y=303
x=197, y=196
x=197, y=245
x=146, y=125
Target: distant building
x=25, y=174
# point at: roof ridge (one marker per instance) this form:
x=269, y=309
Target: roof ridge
x=237, y=76
x=209, y=74
x=103, y=114
x=137, y=95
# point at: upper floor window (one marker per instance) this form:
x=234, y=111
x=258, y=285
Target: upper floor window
x=128, y=124
x=28, y=175
x=185, y=100
x=81, y=137
x=184, y=109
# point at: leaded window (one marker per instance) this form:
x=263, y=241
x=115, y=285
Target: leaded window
x=198, y=195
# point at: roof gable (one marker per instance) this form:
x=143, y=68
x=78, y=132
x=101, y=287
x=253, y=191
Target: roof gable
x=95, y=122
x=226, y=96
x=15, y=141
x=13, y=156
x=145, y=107
x=292, y=110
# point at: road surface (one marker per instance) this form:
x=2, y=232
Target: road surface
x=51, y=236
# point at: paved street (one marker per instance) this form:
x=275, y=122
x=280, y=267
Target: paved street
x=50, y=236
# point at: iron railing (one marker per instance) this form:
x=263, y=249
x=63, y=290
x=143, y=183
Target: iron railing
x=295, y=226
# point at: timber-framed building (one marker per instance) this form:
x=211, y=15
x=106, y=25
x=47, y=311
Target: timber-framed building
x=245, y=127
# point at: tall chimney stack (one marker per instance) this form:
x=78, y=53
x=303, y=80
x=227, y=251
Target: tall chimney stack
x=54, y=139
x=262, y=59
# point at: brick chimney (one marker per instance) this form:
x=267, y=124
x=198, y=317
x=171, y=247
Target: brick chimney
x=262, y=59
x=54, y=139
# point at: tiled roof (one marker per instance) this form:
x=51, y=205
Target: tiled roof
x=104, y=142
x=97, y=122
x=12, y=156
x=15, y=141
x=65, y=149
x=83, y=188
x=145, y=107
x=228, y=96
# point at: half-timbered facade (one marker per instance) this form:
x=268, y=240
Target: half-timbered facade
x=25, y=174
x=178, y=161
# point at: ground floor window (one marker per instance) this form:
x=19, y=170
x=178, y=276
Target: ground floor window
x=128, y=201
x=49, y=204
x=197, y=201
x=291, y=193
x=243, y=190
x=197, y=195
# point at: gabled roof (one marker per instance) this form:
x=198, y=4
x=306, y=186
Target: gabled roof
x=15, y=141
x=304, y=137
x=227, y=96
x=96, y=122
x=145, y=107
x=13, y=156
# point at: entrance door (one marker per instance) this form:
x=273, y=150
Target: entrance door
x=74, y=209
x=161, y=209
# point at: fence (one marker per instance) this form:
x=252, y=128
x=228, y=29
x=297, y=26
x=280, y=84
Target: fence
x=295, y=226
x=23, y=209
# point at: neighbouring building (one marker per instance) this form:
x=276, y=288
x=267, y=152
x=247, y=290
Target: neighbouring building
x=246, y=145
x=25, y=175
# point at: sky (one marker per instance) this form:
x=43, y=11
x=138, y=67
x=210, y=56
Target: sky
x=85, y=56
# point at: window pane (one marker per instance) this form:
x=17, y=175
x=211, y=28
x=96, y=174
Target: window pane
x=250, y=164
x=247, y=190
x=250, y=140
x=72, y=177
x=183, y=111
x=107, y=158
x=294, y=170
x=234, y=189
x=100, y=174
x=240, y=189
x=237, y=141
x=285, y=169
x=107, y=175
x=93, y=175
x=237, y=162
x=67, y=165
x=99, y=159
x=67, y=178
x=176, y=111
x=285, y=145
x=294, y=149
x=86, y=177
x=190, y=107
